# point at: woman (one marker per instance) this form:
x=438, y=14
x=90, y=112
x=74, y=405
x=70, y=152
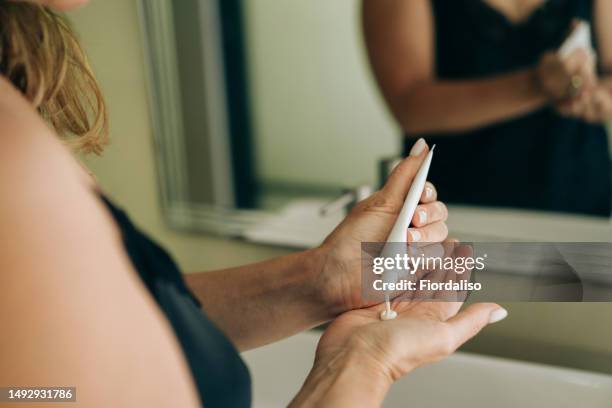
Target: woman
x=89, y=301
x=517, y=124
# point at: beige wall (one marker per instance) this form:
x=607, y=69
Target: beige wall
x=577, y=334
x=316, y=99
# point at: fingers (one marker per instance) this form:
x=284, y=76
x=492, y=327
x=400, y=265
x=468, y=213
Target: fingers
x=576, y=62
x=587, y=74
x=472, y=320
x=567, y=77
x=430, y=194
x=601, y=107
x=580, y=62
x=436, y=310
x=576, y=107
x=398, y=184
x=434, y=232
x=594, y=107
x=429, y=213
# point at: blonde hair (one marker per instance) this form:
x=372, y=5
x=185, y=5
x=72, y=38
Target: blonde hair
x=41, y=56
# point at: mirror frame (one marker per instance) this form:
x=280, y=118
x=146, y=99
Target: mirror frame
x=222, y=217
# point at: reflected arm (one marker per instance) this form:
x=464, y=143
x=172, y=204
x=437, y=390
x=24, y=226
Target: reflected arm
x=399, y=36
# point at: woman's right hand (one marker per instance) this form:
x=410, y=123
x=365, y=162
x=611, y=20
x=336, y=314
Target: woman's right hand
x=572, y=77
x=359, y=356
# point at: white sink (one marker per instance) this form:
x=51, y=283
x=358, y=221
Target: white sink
x=462, y=380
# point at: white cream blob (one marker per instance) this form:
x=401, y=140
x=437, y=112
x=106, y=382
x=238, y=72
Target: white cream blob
x=388, y=314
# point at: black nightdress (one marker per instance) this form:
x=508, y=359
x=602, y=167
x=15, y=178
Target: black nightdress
x=541, y=160
x=221, y=377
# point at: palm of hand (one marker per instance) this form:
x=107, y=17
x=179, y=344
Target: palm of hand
x=419, y=335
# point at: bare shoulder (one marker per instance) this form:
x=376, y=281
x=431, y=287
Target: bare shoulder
x=24, y=135
x=73, y=310
x=399, y=38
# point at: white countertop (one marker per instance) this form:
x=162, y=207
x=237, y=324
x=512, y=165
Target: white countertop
x=470, y=223
x=300, y=225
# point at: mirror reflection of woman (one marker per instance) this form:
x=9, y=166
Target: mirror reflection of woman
x=517, y=124
x=88, y=300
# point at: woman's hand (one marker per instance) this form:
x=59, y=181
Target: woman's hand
x=359, y=356
x=593, y=107
x=567, y=78
x=309, y=288
x=339, y=280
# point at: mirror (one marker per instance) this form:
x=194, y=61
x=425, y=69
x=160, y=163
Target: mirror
x=263, y=108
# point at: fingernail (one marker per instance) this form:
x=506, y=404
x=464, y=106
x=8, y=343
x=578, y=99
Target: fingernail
x=422, y=217
x=498, y=315
x=415, y=235
x=418, y=147
x=428, y=192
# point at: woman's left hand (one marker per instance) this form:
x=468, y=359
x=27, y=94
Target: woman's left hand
x=359, y=356
x=594, y=106
x=339, y=280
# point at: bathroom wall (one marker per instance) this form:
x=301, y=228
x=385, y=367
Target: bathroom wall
x=315, y=99
x=575, y=334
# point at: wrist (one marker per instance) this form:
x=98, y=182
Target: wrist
x=537, y=86
x=377, y=377
x=344, y=378
x=310, y=283
x=327, y=291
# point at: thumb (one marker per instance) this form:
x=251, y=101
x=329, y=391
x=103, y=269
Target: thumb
x=467, y=323
x=398, y=184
